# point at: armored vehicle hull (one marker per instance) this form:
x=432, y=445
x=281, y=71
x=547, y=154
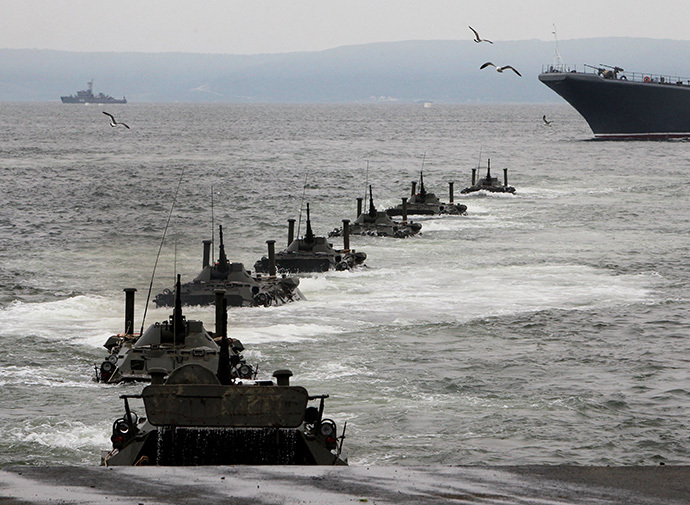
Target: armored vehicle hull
x=429, y=209
x=259, y=291
x=193, y=419
x=295, y=262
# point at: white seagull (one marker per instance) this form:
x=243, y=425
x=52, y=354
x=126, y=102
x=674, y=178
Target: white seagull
x=114, y=123
x=546, y=121
x=478, y=39
x=500, y=69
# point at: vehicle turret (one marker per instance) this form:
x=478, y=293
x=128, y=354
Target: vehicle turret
x=309, y=236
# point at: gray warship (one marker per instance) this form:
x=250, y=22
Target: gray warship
x=311, y=253
x=378, y=222
x=167, y=345
x=425, y=203
x=489, y=183
x=87, y=96
x=241, y=288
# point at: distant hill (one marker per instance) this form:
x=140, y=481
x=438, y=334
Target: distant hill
x=437, y=71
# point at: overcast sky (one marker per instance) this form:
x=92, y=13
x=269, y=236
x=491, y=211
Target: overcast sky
x=272, y=26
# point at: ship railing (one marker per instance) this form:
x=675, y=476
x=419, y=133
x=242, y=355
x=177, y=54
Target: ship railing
x=656, y=78
x=557, y=68
x=622, y=75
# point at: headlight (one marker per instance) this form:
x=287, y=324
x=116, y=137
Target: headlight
x=122, y=427
x=327, y=429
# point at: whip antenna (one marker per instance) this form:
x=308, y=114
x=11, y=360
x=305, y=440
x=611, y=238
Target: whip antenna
x=175, y=260
x=366, y=182
x=301, y=202
x=160, y=248
x=213, y=227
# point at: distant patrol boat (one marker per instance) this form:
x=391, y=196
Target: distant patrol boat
x=87, y=96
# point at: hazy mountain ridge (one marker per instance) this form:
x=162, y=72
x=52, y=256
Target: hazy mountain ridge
x=438, y=71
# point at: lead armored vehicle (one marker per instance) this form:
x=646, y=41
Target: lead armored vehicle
x=489, y=183
x=167, y=345
x=379, y=223
x=198, y=417
x=425, y=203
x=241, y=288
x=311, y=253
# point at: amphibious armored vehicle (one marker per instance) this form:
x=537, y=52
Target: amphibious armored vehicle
x=379, y=223
x=198, y=417
x=241, y=288
x=311, y=253
x=167, y=345
x=489, y=183
x=424, y=203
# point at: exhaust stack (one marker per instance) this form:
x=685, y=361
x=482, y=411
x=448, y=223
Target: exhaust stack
x=271, y=258
x=291, y=231
x=224, y=372
x=282, y=377
x=221, y=317
x=129, y=310
x=346, y=235
x=207, y=253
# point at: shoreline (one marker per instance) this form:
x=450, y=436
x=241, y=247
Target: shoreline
x=345, y=485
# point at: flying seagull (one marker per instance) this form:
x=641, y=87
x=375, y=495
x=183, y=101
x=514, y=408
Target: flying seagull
x=546, y=121
x=114, y=123
x=478, y=39
x=499, y=69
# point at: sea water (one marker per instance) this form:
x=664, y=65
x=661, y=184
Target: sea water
x=546, y=327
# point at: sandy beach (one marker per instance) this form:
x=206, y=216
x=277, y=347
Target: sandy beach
x=346, y=485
